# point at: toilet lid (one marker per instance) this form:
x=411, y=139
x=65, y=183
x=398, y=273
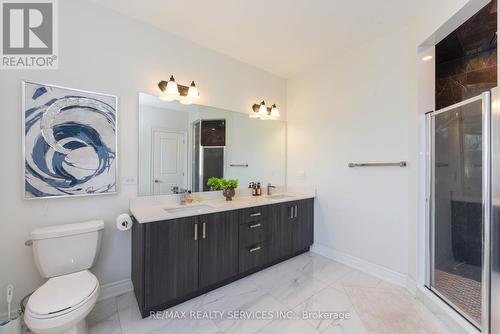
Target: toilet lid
x=62, y=293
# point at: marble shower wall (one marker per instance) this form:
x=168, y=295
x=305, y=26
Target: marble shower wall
x=466, y=60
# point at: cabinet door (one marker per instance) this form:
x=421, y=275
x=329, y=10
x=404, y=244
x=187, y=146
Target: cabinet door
x=280, y=243
x=218, y=256
x=302, y=225
x=171, y=260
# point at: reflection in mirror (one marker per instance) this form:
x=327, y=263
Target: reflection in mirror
x=184, y=145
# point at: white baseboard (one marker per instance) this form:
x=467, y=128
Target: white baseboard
x=115, y=289
x=411, y=286
x=376, y=270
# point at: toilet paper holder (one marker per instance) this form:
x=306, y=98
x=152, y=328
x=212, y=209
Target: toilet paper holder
x=124, y=222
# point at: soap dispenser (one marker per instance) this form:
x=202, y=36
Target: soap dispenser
x=258, y=190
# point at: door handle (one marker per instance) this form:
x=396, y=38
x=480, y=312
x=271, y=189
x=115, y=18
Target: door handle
x=255, y=225
x=291, y=212
x=196, y=231
x=204, y=231
x=296, y=211
x=255, y=214
x=258, y=248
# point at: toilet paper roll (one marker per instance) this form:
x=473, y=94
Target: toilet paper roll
x=124, y=222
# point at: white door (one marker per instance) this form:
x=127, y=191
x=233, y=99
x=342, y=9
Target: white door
x=168, y=161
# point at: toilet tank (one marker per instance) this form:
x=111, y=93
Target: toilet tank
x=67, y=248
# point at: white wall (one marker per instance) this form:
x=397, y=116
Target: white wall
x=103, y=51
x=363, y=106
x=353, y=109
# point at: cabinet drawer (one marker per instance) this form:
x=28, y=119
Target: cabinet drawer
x=253, y=256
x=252, y=233
x=253, y=214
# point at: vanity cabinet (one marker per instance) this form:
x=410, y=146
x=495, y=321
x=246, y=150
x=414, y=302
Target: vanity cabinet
x=178, y=259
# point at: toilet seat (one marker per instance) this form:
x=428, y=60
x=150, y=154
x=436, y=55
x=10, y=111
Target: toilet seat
x=62, y=302
x=62, y=294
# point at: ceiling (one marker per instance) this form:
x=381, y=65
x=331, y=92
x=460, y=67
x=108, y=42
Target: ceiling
x=284, y=37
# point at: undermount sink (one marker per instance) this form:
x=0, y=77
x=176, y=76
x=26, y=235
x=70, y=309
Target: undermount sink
x=201, y=208
x=279, y=196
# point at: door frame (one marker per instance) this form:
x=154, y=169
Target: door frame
x=485, y=97
x=151, y=154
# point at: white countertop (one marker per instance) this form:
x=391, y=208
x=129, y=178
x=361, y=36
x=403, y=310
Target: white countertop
x=147, y=213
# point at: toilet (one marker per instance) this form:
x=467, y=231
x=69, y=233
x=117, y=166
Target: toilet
x=63, y=254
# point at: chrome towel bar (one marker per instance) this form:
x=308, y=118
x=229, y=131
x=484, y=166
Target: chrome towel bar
x=377, y=164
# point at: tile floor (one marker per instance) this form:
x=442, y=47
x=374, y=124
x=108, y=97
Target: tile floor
x=307, y=284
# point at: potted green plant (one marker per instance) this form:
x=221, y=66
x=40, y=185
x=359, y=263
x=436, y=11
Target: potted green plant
x=227, y=186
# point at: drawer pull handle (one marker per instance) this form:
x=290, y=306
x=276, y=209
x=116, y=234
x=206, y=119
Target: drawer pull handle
x=255, y=214
x=196, y=231
x=258, y=248
x=204, y=231
x=255, y=225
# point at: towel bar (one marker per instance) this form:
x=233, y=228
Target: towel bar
x=377, y=164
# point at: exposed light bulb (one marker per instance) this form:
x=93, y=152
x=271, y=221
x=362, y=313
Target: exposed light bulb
x=262, y=109
x=426, y=58
x=275, y=112
x=193, y=91
x=172, y=88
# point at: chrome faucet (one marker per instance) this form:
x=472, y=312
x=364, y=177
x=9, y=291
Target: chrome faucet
x=269, y=189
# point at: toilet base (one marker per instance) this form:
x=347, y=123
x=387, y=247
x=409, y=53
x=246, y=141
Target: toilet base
x=79, y=328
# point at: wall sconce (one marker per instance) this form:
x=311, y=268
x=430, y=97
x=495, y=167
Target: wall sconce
x=263, y=112
x=171, y=90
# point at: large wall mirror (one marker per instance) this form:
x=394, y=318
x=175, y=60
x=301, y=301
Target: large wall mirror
x=184, y=145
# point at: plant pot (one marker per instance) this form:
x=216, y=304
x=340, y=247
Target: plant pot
x=229, y=193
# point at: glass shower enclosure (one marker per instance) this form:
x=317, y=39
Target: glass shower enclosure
x=459, y=202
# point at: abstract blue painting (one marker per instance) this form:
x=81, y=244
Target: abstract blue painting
x=69, y=141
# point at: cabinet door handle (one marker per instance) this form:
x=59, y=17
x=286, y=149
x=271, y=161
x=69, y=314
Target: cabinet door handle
x=255, y=249
x=255, y=214
x=204, y=231
x=196, y=231
x=255, y=225
x=296, y=211
x=291, y=212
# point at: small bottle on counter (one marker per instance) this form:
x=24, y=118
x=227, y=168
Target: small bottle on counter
x=258, y=190
x=189, y=198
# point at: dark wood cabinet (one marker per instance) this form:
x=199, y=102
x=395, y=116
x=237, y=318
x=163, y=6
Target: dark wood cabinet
x=170, y=260
x=218, y=248
x=178, y=259
x=302, y=225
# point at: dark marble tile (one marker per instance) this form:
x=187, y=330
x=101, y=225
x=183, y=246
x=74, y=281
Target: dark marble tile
x=450, y=90
x=482, y=60
x=486, y=76
x=466, y=60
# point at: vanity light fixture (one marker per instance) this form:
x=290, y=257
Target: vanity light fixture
x=426, y=58
x=262, y=109
x=172, y=88
x=171, y=91
x=263, y=112
x=193, y=91
x=275, y=112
